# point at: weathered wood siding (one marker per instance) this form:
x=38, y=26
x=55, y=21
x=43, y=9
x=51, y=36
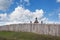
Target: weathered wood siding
x=49, y=29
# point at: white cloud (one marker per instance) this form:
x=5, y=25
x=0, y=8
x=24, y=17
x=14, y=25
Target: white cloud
x=27, y=1
x=25, y=15
x=58, y=0
x=51, y=22
x=3, y=17
x=22, y=15
x=5, y=4
x=24, y=2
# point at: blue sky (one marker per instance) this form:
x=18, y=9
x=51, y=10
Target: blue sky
x=49, y=10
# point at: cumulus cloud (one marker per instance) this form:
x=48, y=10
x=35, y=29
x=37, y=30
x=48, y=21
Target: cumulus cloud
x=5, y=4
x=22, y=15
x=3, y=17
x=25, y=15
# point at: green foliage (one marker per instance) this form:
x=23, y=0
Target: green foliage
x=25, y=36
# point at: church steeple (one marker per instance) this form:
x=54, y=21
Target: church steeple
x=36, y=21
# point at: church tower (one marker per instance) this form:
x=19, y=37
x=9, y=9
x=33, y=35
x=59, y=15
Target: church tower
x=36, y=21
